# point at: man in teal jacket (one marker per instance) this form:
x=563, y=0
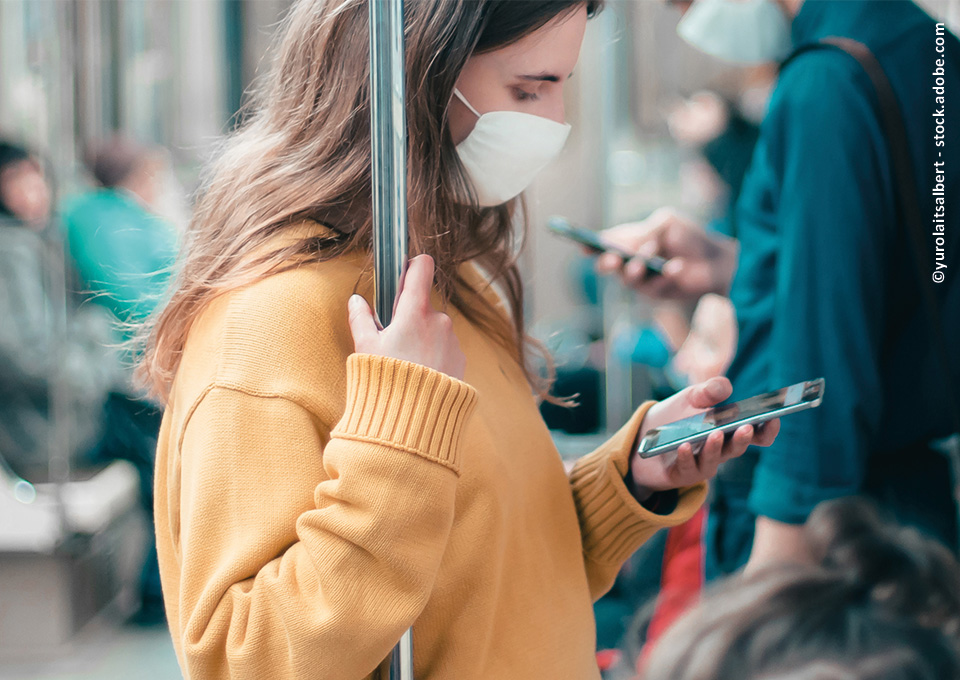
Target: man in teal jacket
x=825, y=284
x=122, y=250
x=124, y=255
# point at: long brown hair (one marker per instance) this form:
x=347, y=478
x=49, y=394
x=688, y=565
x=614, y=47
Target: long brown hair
x=303, y=152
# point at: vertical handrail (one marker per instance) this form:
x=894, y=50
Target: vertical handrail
x=388, y=135
x=615, y=302
x=389, y=159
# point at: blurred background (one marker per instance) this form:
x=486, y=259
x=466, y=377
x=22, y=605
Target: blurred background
x=132, y=96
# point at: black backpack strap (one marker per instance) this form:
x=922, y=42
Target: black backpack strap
x=907, y=200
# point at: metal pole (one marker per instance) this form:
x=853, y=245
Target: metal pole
x=388, y=134
x=388, y=129
x=615, y=302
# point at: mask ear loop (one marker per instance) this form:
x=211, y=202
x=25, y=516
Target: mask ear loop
x=459, y=95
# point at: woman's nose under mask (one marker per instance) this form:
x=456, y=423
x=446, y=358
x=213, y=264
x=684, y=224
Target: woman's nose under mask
x=506, y=150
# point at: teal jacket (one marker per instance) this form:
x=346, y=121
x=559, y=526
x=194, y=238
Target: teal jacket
x=826, y=285
x=123, y=254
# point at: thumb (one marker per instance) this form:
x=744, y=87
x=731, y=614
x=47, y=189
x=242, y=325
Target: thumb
x=709, y=393
x=363, y=327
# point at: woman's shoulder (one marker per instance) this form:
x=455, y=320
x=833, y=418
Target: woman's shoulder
x=310, y=291
x=285, y=335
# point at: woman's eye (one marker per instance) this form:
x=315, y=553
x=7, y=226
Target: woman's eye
x=523, y=95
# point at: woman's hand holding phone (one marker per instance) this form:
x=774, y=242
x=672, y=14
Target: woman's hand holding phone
x=685, y=468
x=418, y=333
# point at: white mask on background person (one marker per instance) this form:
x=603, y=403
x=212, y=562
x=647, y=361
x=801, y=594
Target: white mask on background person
x=506, y=150
x=738, y=31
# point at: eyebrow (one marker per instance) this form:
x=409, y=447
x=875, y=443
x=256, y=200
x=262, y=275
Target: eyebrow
x=543, y=77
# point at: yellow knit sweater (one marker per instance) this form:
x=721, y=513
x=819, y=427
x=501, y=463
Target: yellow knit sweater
x=311, y=503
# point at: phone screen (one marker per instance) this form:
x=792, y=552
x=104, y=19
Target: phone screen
x=779, y=402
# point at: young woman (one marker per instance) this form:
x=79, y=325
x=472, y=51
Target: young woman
x=322, y=486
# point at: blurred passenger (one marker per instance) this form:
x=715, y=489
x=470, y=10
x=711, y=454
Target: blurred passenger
x=706, y=352
x=36, y=356
x=726, y=139
x=123, y=251
x=872, y=602
x=124, y=255
x=322, y=484
x=710, y=345
x=826, y=279
x=24, y=193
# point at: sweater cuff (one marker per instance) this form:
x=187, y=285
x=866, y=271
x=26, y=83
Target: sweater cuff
x=613, y=523
x=405, y=406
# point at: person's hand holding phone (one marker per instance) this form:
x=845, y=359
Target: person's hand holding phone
x=685, y=468
x=697, y=262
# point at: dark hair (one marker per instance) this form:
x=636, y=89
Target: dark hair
x=112, y=160
x=303, y=152
x=507, y=21
x=11, y=153
x=880, y=602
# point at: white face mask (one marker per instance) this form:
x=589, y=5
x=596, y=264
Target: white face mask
x=743, y=32
x=505, y=151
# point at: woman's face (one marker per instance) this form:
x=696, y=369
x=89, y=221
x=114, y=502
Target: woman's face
x=527, y=76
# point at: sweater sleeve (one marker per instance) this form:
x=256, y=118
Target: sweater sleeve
x=612, y=523
x=279, y=580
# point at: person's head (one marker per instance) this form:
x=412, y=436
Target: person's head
x=24, y=192
x=120, y=163
x=304, y=150
x=877, y=602
x=738, y=31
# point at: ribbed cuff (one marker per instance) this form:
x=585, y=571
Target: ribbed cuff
x=405, y=406
x=612, y=522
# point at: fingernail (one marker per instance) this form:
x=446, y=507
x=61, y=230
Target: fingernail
x=354, y=301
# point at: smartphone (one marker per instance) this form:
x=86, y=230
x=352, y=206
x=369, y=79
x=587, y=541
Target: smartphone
x=590, y=239
x=753, y=411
